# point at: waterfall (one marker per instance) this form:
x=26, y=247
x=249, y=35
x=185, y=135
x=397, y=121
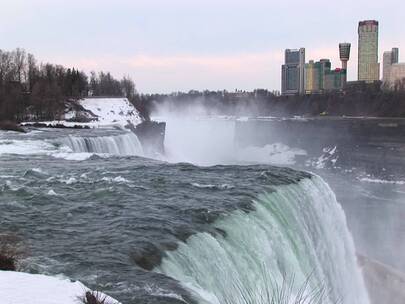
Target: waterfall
x=297, y=231
x=126, y=144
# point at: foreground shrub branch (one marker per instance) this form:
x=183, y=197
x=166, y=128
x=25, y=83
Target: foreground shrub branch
x=94, y=297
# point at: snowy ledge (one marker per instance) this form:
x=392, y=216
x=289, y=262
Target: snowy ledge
x=23, y=288
x=98, y=113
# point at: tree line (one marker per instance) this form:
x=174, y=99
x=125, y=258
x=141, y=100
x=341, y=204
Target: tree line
x=358, y=99
x=39, y=91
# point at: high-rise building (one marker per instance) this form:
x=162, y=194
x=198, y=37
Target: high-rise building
x=313, y=77
x=344, y=52
x=390, y=59
x=393, y=71
x=387, y=63
x=368, y=66
x=326, y=66
x=293, y=72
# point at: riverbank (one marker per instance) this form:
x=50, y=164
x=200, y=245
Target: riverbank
x=23, y=288
x=7, y=125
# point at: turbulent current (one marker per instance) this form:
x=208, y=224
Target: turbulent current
x=90, y=208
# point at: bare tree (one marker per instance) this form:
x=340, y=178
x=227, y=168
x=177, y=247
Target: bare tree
x=19, y=58
x=128, y=87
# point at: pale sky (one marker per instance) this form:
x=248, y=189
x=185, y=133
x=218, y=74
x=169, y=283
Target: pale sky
x=179, y=45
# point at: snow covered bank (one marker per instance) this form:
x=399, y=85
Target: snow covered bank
x=99, y=112
x=23, y=288
x=111, y=110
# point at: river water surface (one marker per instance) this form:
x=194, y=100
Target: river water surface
x=90, y=207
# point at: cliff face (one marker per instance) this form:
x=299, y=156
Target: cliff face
x=151, y=134
x=378, y=145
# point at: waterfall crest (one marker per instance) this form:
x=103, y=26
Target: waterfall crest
x=298, y=230
x=125, y=145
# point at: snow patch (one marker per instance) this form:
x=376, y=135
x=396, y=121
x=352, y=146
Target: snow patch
x=112, y=110
x=101, y=112
x=23, y=288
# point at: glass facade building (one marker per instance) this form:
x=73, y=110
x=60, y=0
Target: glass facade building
x=293, y=72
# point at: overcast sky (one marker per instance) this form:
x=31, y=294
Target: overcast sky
x=172, y=45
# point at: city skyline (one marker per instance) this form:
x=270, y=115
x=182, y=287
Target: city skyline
x=301, y=77
x=181, y=46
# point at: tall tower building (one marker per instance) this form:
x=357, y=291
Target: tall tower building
x=293, y=72
x=344, y=52
x=368, y=66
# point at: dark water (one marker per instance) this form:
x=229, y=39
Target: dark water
x=107, y=221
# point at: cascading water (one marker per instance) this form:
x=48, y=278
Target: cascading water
x=297, y=230
x=127, y=144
